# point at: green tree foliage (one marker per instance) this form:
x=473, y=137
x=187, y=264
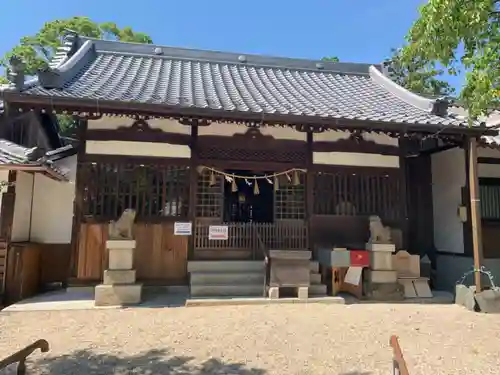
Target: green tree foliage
x=37, y=50
x=461, y=34
x=414, y=76
x=417, y=76
x=331, y=59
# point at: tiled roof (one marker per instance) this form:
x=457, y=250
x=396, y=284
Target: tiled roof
x=230, y=82
x=491, y=121
x=14, y=154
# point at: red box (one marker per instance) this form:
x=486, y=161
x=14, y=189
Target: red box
x=359, y=258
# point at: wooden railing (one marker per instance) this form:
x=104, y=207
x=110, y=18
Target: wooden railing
x=398, y=362
x=21, y=356
x=289, y=235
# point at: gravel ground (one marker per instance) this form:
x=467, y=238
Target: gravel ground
x=273, y=339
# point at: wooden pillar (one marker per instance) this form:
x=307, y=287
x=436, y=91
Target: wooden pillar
x=403, y=196
x=309, y=188
x=475, y=205
x=193, y=185
x=78, y=202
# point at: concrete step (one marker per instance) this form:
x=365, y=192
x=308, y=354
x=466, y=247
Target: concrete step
x=317, y=290
x=314, y=266
x=227, y=290
x=231, y=266
x=226, y=278
x=315, y=278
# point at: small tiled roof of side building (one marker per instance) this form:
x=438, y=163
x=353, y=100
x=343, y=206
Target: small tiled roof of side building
x=12, y=154
x=230, y=82
x=492, y=121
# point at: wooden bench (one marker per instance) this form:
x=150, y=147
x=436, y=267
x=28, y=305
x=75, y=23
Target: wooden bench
x=21, y=356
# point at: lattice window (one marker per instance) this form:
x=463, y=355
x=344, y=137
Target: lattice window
x=152, y=190
x=263, y=155
x=209, y=195
x=490, y=199
x=290, y=200
x=354, y=194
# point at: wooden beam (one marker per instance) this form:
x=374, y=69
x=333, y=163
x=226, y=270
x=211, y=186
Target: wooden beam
x=488, y=160
x=88, y=107
x=477, y=240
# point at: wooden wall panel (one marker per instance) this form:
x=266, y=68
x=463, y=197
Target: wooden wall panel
x=92, y=251
x=491, y=235
x=23, y=272
x=160, y=257
x=54, y=263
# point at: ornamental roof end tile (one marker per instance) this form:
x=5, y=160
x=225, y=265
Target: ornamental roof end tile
x=220, y=81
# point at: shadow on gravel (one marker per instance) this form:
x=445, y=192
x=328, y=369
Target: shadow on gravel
x=154, y=362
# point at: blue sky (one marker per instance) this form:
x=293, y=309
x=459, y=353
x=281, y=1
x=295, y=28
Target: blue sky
x=353, y=30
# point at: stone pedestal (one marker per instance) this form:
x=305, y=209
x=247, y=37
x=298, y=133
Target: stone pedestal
x=382, y=277
x=119, y=286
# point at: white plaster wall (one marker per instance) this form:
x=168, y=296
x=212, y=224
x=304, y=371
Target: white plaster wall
x=488, y=170
x=53, y=206
x=355, y=159
x=332, y=136
x=22, y=207
x=448, y=178
x=137, y=149
x=229, y=129
x=484, y=152
x=114, y=122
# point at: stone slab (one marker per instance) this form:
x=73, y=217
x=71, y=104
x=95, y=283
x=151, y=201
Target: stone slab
x=409, y=288
x=274, y=292
x=120, y=244
x=117, y=295
x=406, y=264
x=465, y=296
x=386, y=292
x=381, y=261
x=381, y=277
x=119, y=277
x=389, y=247
x=290, y=254
x=303, y=292
x=121, y=258
x=422, y=288
x=339, y=259
x=488, y=301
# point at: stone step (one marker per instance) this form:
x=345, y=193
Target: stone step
x=314, y=266
x=117, y=295
x=317, y=290
x=225, y=266
x=315, y=278
x=226, y=278
x=227, y=290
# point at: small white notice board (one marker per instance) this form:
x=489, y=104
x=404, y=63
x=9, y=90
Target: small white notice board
x=183, y=228
x=218, y=232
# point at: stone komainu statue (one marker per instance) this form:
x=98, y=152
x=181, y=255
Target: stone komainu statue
x=122, y=228
x=379, y=233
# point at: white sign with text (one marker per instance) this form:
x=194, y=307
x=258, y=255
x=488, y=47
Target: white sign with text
x=218, y=232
